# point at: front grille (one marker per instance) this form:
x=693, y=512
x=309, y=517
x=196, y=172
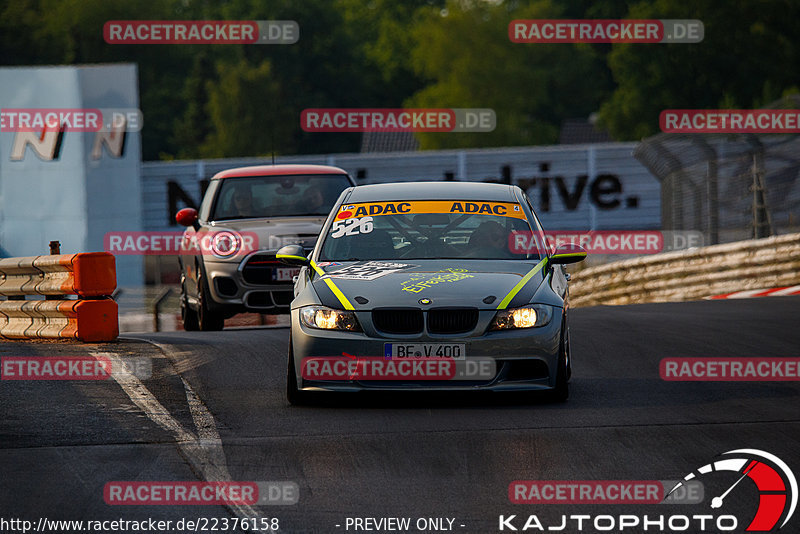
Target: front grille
x=398, y=320
x=259, y=268
x=259, y=299
x=452, y=320
x=282, y=298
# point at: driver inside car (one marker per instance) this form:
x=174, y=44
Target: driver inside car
x=243, y=201
x=489, y=241
x=376, y=245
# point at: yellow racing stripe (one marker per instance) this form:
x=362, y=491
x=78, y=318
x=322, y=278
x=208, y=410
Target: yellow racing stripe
x=336, y=291
x=521, y=284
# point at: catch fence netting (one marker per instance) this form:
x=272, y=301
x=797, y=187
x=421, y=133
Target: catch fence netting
x=731, y=187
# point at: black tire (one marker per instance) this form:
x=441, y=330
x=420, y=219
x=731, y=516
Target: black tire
x=569, y=358
x=188, y=315
x=208, y=320
x=560, y=393
x=293, y=394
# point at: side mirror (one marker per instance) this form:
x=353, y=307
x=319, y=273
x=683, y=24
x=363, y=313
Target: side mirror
x=187, y=217
x=568, y=253
x=292, y=255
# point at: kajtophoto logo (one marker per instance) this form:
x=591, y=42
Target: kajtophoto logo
x=776, y=484
x=766, y=504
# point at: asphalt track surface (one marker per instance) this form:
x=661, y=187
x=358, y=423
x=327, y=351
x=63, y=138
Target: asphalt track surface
x=220, y=411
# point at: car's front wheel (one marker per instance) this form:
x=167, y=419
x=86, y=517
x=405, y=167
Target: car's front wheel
x=188, y=315
x=207, y=319
x=293, y=393
x=560, y=393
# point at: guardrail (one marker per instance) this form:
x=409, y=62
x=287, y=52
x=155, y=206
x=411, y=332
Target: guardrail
x=89, y=276
x=691, y=274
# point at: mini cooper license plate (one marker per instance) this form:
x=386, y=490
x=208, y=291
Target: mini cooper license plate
x=285, y=274
x=453, y=351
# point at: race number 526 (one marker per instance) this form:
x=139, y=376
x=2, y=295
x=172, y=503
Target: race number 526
x=352, y=226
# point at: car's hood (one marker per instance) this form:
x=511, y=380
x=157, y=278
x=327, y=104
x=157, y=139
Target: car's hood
x=474, y=283
x=272, y=234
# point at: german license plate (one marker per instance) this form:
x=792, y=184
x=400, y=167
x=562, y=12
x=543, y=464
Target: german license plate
x=453, y=351
x=286, y=274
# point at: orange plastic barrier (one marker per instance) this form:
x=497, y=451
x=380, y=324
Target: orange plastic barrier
x=91, y=276
x=84, y=320
x=88, y=274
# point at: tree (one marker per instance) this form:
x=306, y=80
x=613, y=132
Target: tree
x=466, y=56
x=747, y=59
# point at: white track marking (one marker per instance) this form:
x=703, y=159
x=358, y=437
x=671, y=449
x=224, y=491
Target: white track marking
x=145, y=400
x=203, y=451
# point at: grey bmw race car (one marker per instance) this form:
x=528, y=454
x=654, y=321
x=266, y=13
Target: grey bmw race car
x=424, y=285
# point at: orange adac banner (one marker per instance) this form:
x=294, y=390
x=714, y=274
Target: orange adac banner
x=373, y=209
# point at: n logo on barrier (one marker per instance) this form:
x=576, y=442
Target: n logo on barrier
x=114, y=140
x=47, y=145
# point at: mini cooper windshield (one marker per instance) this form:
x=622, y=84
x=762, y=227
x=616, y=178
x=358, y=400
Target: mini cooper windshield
x=435, y=229
x=277, y=196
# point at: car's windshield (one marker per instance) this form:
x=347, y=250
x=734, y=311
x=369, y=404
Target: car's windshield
x=426, y=230
x=277, y=196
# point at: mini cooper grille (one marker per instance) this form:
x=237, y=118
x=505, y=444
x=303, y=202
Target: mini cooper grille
x=452, y=320
x=398, y=321
x=258, y=269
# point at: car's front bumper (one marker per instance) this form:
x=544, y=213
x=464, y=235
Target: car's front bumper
x=230, y=291
x=525, y=359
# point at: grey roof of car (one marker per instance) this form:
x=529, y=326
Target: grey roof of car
x=432, y=191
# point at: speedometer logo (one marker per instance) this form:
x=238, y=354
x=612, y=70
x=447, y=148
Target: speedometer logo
x=777, y=485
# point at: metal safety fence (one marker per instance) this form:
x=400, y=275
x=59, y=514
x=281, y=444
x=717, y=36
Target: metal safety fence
x=729, y=186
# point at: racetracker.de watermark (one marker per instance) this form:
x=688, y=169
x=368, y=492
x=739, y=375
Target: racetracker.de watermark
x=730, y=121
x=137, y=493
x=603, y=492
x=201, y=32
x=216, y=243
x=605, y=241
x=606, y=31
x=73, y=367
x=453, y=120
x=70, y=119
x=348, y=367
x=730, y=369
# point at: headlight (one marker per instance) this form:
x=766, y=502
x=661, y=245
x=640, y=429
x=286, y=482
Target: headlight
x=225, y=244
x=534, y=315
x=329, y=319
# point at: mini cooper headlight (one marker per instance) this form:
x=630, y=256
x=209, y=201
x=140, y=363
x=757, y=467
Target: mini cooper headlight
x=533, y=315
x=329, y=319
x=225, y=244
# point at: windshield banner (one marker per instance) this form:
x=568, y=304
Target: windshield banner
x=373, y=209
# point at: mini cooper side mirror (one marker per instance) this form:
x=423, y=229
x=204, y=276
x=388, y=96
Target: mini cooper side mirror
x=568, y=253
x=187, y=217
x=292, y=255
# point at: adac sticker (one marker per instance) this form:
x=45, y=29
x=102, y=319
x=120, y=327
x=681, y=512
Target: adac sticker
x=374, y=209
